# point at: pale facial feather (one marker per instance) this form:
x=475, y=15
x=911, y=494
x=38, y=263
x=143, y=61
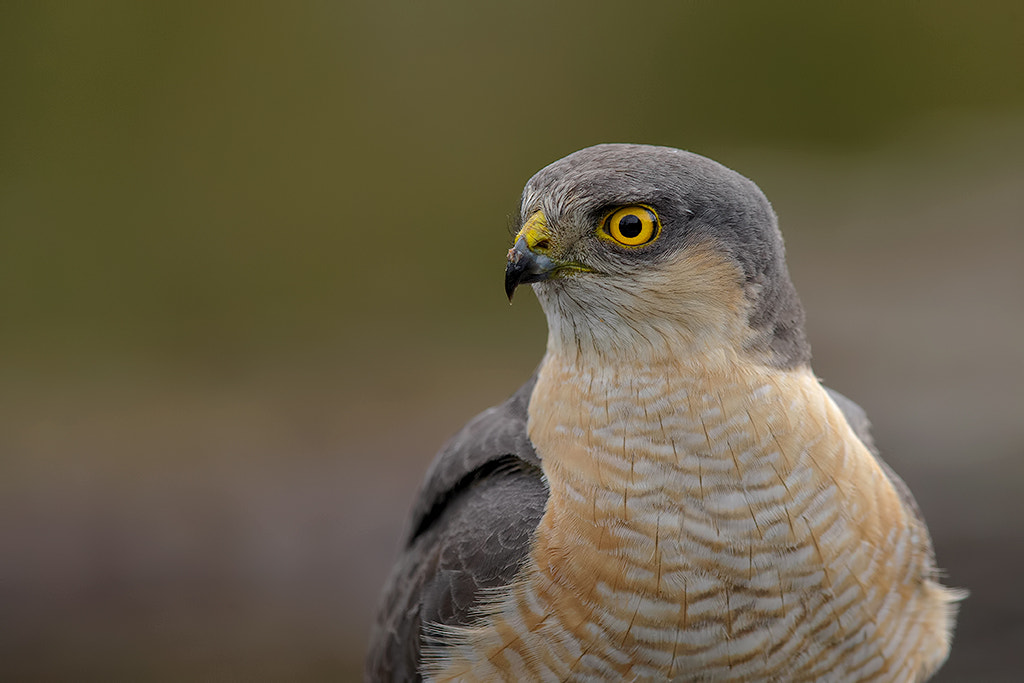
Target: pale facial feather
x=691, y=302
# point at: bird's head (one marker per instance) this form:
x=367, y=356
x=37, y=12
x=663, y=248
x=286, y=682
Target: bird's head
x=636, y=249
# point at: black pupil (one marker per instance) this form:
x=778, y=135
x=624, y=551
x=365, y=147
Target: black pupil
x=630, y=226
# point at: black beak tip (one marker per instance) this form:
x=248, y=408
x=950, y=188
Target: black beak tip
x=515, y=270
x=513, y=276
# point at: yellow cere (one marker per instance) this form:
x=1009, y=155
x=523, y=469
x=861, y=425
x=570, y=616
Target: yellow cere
x=535, y=230
x=631, y=226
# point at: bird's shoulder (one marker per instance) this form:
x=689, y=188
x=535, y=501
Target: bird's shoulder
x=496, y=439
x=861, y=426
x=471, y=528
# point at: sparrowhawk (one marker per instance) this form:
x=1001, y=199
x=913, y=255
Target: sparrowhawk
x=673, y=496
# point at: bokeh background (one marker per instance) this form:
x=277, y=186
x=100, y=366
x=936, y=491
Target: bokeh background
x=251, y=261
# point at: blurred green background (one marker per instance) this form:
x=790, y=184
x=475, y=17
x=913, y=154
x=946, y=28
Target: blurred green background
x=251, y=261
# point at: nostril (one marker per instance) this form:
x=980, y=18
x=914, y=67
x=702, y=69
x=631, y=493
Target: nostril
x=542, y=245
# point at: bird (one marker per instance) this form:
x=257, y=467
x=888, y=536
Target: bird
x=673, y=495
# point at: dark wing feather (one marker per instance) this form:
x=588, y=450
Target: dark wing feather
x=471, y=528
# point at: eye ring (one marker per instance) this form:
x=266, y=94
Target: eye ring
x=632, y=226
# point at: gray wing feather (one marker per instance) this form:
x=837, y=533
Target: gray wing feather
x=471, y=528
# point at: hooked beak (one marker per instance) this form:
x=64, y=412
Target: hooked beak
x=525, y=266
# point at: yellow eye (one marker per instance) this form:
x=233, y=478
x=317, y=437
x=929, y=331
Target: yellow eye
x=632, y=226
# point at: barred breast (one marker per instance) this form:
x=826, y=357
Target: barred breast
x=707, y=520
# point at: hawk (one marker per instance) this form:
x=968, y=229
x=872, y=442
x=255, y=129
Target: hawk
x=673, y=496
